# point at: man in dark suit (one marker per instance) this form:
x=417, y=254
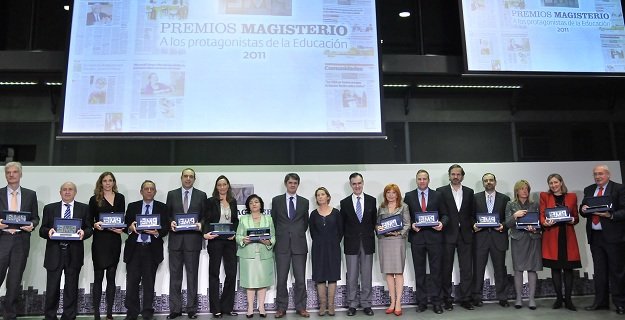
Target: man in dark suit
x=289, y=212
x=184, y=246
x=359, y=212
x=606, y=236
x=15, y=243
x=426, y=243
x=457, y=204
x=493, y=241
x=63, y=256
x=143, y=252
x=96, y=16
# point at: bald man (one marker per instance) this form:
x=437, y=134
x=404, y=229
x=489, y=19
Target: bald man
x=606, y=236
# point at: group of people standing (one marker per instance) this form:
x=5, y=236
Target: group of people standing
x=263, y=263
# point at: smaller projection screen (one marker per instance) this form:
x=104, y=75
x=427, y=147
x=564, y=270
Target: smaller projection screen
x=545, y=36
x=223, y=68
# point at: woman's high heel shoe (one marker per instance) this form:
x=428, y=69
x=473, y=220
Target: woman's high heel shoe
x=390, y=310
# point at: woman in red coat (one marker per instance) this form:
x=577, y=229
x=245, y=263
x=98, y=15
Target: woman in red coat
x=560, y=251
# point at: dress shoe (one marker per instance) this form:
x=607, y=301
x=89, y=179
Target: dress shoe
x=351, y=311
x=279, y=314
x=478, y=303
x=130, y=318
x=448, y=305
x=532, y=307
x=422, y=307
x=467, y=305
x=148, y=317
x=249, y=316
x=398, y=312
x=174, y=315
x=620, y=310
x=231, y=313
x=368, y=311
x=595, y=307
x=303, y=313
x=218, y=315
x=504, y=303
x=437, y=309
x=390, y=310
x=263, y=315
x=557, y=304
x=569, y=305
x=518, y=306
x=192, y=315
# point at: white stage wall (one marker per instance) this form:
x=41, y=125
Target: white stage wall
x=267, y=182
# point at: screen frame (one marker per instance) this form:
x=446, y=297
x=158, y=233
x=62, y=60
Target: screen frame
x=60, y=135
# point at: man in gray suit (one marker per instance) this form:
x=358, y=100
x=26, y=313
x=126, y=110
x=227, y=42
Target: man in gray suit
x=493, y=241
x=289, y=212
x=15, y=243
x=184, y=246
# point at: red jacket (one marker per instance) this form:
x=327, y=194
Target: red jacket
x=550, y=234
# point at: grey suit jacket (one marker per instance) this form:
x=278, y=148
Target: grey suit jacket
x=290, y=234
x=29, y=204
x=186, y=240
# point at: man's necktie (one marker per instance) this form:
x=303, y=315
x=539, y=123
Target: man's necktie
x=358, y=209
x=144, y=236
x=423, y=204
x=291, y=208
x=490, y=203
x=185, y=202
x=595, y=218
x=13, y=206
x=68, y=211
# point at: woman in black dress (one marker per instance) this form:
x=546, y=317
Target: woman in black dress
x=326, y=231
x=222, y=208
x=107, y=243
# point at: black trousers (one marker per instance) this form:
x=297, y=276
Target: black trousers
x=434, y=254
x=70, y=291
x=609, y=265
x=483, y=248
x=13, y=255
x=219, y=250
x=465, y=263
x=141, y=269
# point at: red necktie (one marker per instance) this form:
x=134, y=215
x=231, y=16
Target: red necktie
x=423, y=204
x=595, y=218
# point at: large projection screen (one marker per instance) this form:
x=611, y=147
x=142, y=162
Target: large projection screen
x=223, y=68
x=544, y=36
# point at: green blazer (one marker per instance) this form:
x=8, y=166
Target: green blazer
x=249, y=250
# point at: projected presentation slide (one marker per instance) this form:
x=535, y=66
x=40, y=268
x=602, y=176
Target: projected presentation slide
x=223, y=66
x=585, y=36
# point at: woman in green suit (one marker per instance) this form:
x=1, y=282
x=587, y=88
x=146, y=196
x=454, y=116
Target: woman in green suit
x=255, y=257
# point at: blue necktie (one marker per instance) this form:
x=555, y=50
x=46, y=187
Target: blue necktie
x=358, y=209
x=68, y=211
x=144, y=236
x=291, y=209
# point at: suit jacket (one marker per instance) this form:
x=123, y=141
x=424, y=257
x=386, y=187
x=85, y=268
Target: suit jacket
x=425, y=235
x=550, y=242
x=500, y=239
x=52, y=259
x=186, y=240
x=356, y=232
x=514, y=206
x=248, y=251
x=156, y=243
x=290, y=234
x=213, y=213
x=613, y=228
x=29, y=204
x=462, y=217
